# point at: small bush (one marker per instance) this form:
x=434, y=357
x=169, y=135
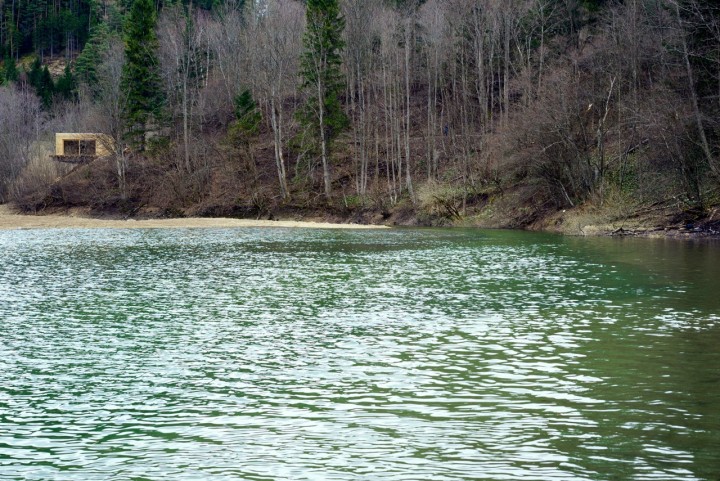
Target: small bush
x=441, y=199
x=31, y=189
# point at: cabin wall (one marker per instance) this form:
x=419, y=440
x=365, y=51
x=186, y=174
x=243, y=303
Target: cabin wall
x=103, y=143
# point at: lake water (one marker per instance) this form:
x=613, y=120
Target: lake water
x=273, y=354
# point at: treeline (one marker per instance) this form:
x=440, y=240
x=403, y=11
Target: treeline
x=54, y=27
x=47, y=27
x=545, y=104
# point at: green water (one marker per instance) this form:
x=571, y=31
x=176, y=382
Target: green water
x=338, y=355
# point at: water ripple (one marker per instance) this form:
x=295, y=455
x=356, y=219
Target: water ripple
x=323, y=355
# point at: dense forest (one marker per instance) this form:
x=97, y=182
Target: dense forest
x=483, y=112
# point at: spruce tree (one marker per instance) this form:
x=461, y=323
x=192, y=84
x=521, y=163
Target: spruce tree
x=34, y=75
x=40, y=79
x=247, y=113
x=246, y=125
x=322, y=78
x=11, y=73
x=66, y=85
x=92, y=53
x=141, y=77
x=45, y=87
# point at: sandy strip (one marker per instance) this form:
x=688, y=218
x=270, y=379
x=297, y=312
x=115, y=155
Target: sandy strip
x=11, y=221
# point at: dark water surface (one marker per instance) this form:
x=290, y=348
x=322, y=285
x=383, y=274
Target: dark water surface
x=272, y=354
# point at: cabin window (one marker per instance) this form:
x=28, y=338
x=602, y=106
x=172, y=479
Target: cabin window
x=71, y=147
x=87, y=147
x=79, y=147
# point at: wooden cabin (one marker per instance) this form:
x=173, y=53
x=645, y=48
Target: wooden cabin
x=82, y=148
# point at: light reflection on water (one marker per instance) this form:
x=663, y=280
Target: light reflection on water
x=399, y=355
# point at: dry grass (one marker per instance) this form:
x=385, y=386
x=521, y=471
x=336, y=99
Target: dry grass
x=615, y=211
x=441, y=200
x=30, y=190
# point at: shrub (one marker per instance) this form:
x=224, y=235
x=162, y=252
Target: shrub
x=441, y=199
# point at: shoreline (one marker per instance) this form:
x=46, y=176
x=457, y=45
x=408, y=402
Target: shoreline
x=10, y=220
x=80, y=218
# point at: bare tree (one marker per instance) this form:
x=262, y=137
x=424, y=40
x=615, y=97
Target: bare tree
x=21, y=126
x=692, y=89
x=435, y=25
x=227, y=41
x=109, y=109
x=361, y=32
x=182, y=41
x=274, y=34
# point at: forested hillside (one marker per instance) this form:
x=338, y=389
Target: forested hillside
x=482, y=112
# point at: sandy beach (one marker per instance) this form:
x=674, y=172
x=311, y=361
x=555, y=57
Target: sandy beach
x=10, y=220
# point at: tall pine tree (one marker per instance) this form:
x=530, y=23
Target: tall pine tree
x=45, y=87
x=66, y=86
x=11, y=73
x=322, y=78
x=34, y=75
x=141, y=77
x=91, y=56
x=39, y=77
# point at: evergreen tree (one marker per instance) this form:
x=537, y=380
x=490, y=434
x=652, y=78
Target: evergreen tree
x=11, y=73
x=45, y=87
x=247, y=114
x=91, y=55
x=141, y=77
x=246, y=125
x=35, y=73
x=39, y=78
x=66, y=85
x=322, y=78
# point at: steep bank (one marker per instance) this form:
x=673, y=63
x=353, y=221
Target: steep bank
x=611, y=218
x=485, y=211
x=675, y=224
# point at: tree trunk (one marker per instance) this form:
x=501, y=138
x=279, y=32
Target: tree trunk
x=408, y=38
x=323, y=142
x=542, y=55
x=693, y=97
x=363, y=135
x=276, y=123
x=506, y=80
x=186, y=143
x=601, y=141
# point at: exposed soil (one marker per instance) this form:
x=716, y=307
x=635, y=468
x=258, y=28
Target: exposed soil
x=487, y=211
x=667, y=223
